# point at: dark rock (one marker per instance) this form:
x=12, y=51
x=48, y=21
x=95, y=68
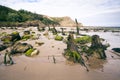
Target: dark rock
x=26, y=32
x=116, y=49
x=21, y=48
x=2, y=47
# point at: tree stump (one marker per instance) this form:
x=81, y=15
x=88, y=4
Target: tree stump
x=96, y=48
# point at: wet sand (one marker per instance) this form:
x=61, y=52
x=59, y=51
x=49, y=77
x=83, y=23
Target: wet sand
x=26, y=68
x=42, y=67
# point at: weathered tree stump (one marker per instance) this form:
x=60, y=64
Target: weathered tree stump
x=63, y=30
x=73, y=50
x=54, y=31
x=77, y=28
x=96, y=48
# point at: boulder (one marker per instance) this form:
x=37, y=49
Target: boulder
x=31, y=52
x=26, y=32
x=58, y=38
x=116, y=49
x=2, y=47
x=35, y=52
x=21, y=47
x=11, y=37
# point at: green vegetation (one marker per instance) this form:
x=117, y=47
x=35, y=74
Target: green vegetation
x=72, y=56
x=72, y=53
x=10, y=17
x=58, y=38
x=83, y=40
x=57, y=19
x=6, y=40
x=28, y=52
x=13, y=37
x=26, y=37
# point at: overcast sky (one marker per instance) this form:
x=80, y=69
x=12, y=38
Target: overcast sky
x=88, y=12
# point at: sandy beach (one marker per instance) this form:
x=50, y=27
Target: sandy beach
x=42, y=67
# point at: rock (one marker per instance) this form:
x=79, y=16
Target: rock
x=39, y=43
x=28, y=52
x=21, y=48
x=11, y=37
x=116, y=49
x=35, y=52
x=6, y=39
x=31, y=52
x=26, y=37
x=58, y=38
x=26, y=32
x=2, y=47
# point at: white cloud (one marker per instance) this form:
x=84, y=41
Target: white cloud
x=73, y=8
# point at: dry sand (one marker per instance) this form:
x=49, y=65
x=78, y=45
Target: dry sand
x=42, y=67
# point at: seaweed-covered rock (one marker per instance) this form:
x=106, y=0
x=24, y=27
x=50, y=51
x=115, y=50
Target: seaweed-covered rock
x=35, y=52
x=31, y=52
x=26, y=37
x=28, y=52
x=97, y=49
x=58, y=38
x=11, y=37
x=6, y=39
x=21, y=48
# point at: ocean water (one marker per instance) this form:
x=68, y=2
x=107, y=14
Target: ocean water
x=113, y=38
